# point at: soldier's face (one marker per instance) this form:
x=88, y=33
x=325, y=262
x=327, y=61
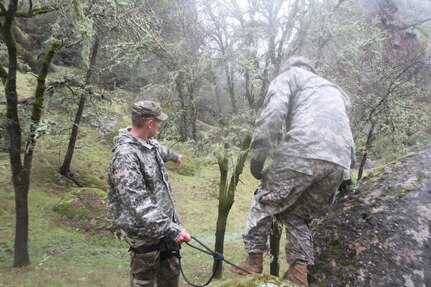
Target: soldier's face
x=153, y=127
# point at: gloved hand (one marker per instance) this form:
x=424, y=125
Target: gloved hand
x=256, y=168
x=345, y=184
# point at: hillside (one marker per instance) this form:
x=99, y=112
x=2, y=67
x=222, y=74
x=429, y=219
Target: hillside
x=63, y=254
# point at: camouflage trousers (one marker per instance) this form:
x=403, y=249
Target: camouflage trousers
x=296, y=197
x=148, y=270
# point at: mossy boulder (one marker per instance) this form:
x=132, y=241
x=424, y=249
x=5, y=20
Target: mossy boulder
x=85, y=208
x=92, y=182
x=257, y=280
x=379, y=234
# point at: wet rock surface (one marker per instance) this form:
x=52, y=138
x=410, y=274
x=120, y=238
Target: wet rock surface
x=379, y=234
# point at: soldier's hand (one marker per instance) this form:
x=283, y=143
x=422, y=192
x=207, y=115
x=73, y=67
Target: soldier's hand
x=179, y=160
x=183, y=237
x=345, y=184
x=256, y=168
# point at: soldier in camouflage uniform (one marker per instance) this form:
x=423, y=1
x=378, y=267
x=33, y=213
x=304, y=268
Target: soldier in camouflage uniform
x=307, y=167
x=140, y=199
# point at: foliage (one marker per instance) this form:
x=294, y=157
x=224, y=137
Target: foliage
x=381, y=67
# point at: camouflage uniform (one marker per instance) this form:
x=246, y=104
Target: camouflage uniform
x=140, y=202
x=148, y=269
x=309, y=161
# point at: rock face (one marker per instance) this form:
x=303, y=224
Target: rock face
x=379, y=235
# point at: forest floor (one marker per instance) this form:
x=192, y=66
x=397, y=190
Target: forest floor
x=64, y=255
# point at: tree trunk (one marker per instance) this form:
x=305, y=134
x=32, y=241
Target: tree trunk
x=192, y=109
x=223, y=213
x=274, y=245
x=227, y=197
x=21, y=187
x=249, y=90
x=223, y=210
x=217, y=94
x=264, y=83
x=65, y=167
x=21, y=179
x=179, y=83
x=367, y=148
x=21, y=257
x=20, y=172
x=231, y=87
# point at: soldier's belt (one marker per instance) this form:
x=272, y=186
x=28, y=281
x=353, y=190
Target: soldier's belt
x=167, y=253
x=145, y=248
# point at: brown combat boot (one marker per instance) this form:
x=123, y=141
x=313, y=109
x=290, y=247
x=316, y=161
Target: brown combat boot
x=297, y=273
x=253, y=263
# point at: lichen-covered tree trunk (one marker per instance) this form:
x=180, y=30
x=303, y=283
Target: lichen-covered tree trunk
x=185, y=86
x=21, y=169
x=227, y=196
x=366, y=149
x=231, y=87
x=249, y=89
x=22, y=182
x=180, y=86
x=192, y=110
x=65, y=167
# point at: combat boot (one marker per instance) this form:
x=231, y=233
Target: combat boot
x=253, y=263
x=297, y=273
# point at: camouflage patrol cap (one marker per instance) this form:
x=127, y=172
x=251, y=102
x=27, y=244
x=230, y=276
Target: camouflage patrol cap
x=148, y=109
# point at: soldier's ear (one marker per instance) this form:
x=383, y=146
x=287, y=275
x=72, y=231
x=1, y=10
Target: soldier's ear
x=150, y=123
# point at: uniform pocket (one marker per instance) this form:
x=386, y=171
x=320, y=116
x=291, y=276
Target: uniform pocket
x=145, y=266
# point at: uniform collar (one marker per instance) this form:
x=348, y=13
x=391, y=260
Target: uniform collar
x=146, y=144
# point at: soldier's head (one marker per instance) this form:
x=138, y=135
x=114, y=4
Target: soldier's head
x=147, y=115
x=300, y=62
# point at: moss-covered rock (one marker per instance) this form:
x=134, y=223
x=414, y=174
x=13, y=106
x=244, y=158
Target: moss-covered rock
x=92, y=182
x=257, y=280
x=379, y=235
x=85, y=208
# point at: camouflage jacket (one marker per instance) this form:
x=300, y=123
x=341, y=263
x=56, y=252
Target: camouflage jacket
x=139, y=194
x=315, y=112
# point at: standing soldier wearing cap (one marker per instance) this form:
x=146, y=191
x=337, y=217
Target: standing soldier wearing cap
x=308, y=163
x=140, y=198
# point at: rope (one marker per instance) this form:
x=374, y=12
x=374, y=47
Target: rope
x=218, y=257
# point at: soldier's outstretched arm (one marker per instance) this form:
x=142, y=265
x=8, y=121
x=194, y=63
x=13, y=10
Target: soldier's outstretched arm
x=132, y=191
x=166, y=153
